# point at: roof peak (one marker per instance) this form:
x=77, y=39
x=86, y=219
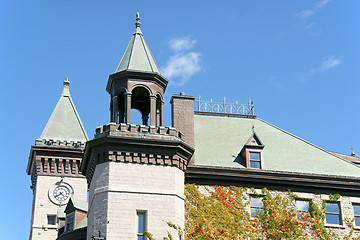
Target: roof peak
x=66, y=91
x=64, y=122
x=137, y=56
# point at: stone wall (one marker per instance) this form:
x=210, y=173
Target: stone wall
x=43, y=206
x=118, y=190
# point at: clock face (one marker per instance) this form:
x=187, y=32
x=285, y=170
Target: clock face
x=61, y=193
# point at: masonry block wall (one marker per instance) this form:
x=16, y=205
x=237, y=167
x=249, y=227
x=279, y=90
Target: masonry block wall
x=44, y=207
x=125, y=188
x=98, y=199
x=182, y=117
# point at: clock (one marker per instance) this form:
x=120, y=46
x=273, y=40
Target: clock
x=60, y=193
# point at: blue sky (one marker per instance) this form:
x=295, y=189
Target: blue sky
x=297, y=60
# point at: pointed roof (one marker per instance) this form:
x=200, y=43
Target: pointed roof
x=65, y=123
x=254, y=141
x=76, y=204
x=137, y=55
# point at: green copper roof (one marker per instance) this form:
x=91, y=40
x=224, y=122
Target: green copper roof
x=61, y=212
x=77, y=204
x=219, y=140
x=65, y=123
x=137, y=55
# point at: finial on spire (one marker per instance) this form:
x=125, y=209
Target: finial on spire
x=138, y=23
x=66, y=82
x=66, y=92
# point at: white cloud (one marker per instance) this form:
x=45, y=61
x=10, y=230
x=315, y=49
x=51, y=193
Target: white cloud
x=305, y=14
x=182, y=67
x=329, y=63
x=183, y=64
x=181, y=43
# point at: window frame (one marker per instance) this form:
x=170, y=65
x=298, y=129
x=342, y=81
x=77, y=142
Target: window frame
x=256, y=207
x=333, y=214
x=248, y=160
x=72, y=214
x=356, y=216
x=299, y=212
x=141, y=235
x=51, y=216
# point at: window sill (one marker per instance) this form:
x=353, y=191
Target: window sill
x=328, y=225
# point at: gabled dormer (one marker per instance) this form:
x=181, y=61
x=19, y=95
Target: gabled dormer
x=76, y=212
x=252, y=152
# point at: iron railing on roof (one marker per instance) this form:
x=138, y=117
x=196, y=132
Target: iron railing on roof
x=224, y=108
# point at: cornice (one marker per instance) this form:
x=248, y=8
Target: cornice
x=272, y=179
x=136, y=75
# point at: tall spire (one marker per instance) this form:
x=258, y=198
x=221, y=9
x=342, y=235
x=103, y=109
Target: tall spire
x=65, y=123
x=137, y=56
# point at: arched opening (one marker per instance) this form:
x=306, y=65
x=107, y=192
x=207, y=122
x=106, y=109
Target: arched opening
x=136, y=117
x=140, y=100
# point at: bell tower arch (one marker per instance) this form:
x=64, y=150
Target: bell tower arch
x=137, y=84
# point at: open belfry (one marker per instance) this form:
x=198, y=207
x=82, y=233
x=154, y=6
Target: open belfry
x=129, y=179
x=135, y=171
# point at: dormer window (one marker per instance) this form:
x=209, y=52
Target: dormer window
x=70, y=220
x=252, y=153
x=255, y=159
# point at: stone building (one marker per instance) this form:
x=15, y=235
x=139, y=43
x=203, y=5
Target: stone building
x=134, y=175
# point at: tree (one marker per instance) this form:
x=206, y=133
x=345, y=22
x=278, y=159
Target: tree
x=223, y=213
x=219, y=212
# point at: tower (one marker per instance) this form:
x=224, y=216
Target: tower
x=135, y=173
x=54, y=166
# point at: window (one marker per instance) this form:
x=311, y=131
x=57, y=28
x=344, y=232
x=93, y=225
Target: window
x=357, y=214
x=141, y=216
x=51, y=219
x=302, y=207
x=70, y=219
x=256, y=206
x=333, y=213
x=255, y=160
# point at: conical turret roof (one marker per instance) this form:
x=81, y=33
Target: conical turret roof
x=65, y=123
x=137, y=56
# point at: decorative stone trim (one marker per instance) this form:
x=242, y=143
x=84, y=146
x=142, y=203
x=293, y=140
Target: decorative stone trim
x=112, y=128
x=56, y=166
x=134, y=157
x=52, y=142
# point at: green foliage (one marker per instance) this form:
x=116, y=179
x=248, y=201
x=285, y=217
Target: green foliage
x=219, y=212
x=216, y=215
x=334, y=197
